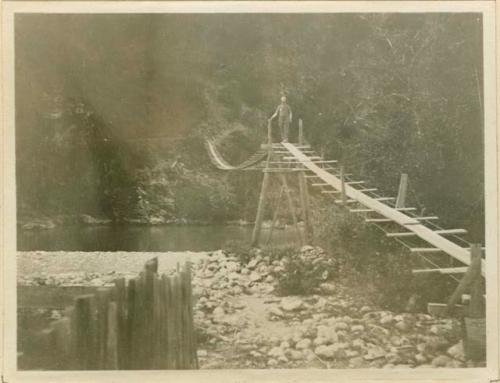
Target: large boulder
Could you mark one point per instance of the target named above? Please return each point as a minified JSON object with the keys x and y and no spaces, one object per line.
{"x":232,"y":266}
{"x":276,"y":312}
{"x":291,"y":304}
{"x":303,"y":344}
{"x":457,"y":351}
{"x":326,"y":352}
{"x":441,"y":361}
{"x":327,"y":333}
{"x":254,"y":262}
{"x":375,"y":353}
{"x":255,"y":277}
{"x":276,"y":352}
{"x":39,"y":224}
{"x":90,"y":220}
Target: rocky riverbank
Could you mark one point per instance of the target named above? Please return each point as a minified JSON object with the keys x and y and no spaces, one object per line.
{"x":47,"y":223}
{"x":97,"y":268}
{"x":243,"y":323}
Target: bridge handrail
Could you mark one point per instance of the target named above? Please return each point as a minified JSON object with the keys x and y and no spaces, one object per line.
{"x":222,"y":164}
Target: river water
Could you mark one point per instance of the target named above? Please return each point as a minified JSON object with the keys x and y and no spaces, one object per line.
{"x":143,"y":238}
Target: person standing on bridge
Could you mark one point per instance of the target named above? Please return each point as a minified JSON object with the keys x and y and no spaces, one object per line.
{"x":284,"y":114}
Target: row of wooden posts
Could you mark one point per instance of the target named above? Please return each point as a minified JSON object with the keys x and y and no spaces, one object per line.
{"x":146,"y":323}
{"x":474,"y":322}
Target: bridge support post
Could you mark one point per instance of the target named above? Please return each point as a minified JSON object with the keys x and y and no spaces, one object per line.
{"x":403,"y":187}
{"x":260,"y":210}
{"x":342,"y":179}
{"x":291,"y":207}
{"x":304,"y":201}
{"x":472,"y":277}
{"x":269,"y":133}
{"x":476,"y":305}
{"x":301,"y":133}
{"x":275,"y":215}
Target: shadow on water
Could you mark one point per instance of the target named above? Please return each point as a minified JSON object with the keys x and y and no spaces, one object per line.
{"x":142,"y":238}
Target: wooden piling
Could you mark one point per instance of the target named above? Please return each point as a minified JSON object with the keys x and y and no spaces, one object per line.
{"x":192,"y":355}
{"x":138,"y":330}
{"x":291,"y":207}
{"x":269,"y":133}
{"x":275,"y":215}
{"x":164,"y":299}
{"x":45,"y":340}
{"x":120,"y":295}
{"x":304,"y":201}
{"x":111,"y":342}
{"x":176,"y":298}
{"x":342,"y":180}
{"x":477,"y":307}
{"x":84,"y":333}
{"x":131,"y":338}
{"x":147,"y":325}
{"x":301,"y":132}
{"x":260,"y":210}
{"x":470,"y":276}
{"x":102,"y":326}
{"x":474,"y":323}
{"x":149,"y":337}
{"x":62,"y":343}
{"x":403,"y":187}
{"x":171,"y":325}
{"x":157,"y":324}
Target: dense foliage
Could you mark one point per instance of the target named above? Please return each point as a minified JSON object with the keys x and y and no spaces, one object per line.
{"x":112,"y":110}
{"x":367,"y":258}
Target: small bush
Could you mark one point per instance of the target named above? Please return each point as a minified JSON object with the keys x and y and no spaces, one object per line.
{"x":240,"y":249}
{"x":303,"y":271}
{"x":366,"y":256}
{"x":278,"y":253}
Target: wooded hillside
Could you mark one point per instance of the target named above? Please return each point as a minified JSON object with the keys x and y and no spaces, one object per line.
{"x":112,"y":110}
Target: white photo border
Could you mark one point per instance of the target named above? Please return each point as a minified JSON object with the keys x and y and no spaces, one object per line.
{"x":8,"y":299}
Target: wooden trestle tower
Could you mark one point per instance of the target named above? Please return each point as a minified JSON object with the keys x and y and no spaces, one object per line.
{"x":279,"y":163}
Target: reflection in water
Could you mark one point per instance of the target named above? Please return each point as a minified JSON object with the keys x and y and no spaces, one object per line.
{"x":142,"y":238}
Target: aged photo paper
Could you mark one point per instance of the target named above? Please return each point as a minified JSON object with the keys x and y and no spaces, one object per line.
{"x":246,"y":191}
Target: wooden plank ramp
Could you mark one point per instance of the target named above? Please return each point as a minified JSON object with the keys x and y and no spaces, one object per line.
{"x":396,"y":215}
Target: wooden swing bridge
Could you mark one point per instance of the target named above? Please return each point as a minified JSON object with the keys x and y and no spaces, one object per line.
{"x":444,"y":250}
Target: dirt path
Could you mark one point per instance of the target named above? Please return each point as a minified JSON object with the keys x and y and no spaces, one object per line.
{"x":244,"y":324}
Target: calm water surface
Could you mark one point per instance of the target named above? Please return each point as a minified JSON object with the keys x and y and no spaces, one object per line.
{"x":142,"y":238}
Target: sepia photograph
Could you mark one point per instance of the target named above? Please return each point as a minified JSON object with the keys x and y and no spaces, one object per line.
{"x":200,"y":188}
